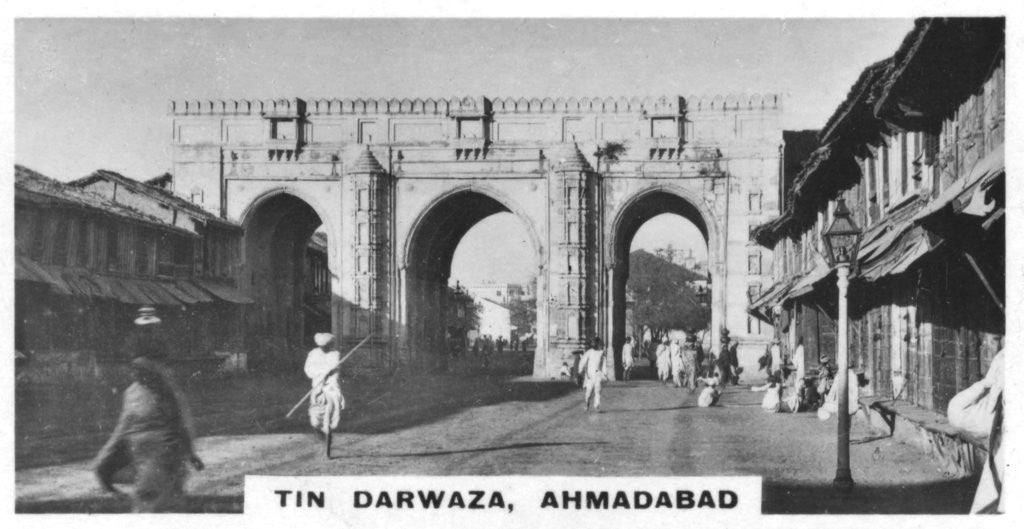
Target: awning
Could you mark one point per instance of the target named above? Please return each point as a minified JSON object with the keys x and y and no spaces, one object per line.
{"x":807,"y":282}
{"x":762,"y":306}
{"x":225,"y":292}
{"x":910,"y":248}
{"x":882,"y":236}
{"x":967,"y":194}
{"x":29,"y":270}
{"x":194,"y":291}
{"x":81,"y":282}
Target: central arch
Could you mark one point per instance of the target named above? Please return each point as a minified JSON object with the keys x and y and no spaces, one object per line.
{"x":634,"y":213}
{"x":428,"y":254}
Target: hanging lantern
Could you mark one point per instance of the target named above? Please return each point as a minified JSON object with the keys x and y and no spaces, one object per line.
{"x":842,"y":238}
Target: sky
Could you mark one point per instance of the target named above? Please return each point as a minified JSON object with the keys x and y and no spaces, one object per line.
{"x":93,"y":93}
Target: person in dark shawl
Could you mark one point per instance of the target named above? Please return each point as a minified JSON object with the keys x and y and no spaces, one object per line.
{"x":153,"y":434}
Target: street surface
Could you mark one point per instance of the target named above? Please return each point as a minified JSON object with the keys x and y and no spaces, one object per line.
{"x":477,"y":422}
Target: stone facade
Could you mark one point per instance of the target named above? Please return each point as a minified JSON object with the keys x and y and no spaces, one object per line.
{"x":397,"y":183}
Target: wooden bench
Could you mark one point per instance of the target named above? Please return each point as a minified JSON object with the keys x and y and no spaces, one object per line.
{"x":960,"y":452}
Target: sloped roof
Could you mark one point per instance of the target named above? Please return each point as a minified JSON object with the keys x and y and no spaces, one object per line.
{"x":157,"y":193}
{"x":28,"y":181}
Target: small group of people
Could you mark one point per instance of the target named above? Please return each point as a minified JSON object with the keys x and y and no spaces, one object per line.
{"x":683,"y":365}
{"x":789,"y":388}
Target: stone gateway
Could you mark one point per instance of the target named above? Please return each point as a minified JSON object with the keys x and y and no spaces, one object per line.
{"x":397,"y":183}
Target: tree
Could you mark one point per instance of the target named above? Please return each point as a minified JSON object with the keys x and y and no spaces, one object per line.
{"x":663,"y":297}
{"x":462,"y":312}
{"x":523,"y":313}
{"x":609,"y":151}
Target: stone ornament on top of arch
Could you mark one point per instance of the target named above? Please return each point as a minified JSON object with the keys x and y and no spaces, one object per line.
{"x":488,"y":191}
{"x":313,"y":201}
{"x":707,"y":217}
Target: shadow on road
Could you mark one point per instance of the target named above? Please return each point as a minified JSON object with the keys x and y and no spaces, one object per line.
{"x":425,"y":400}
{"x":945,"y":497}
{"x":513,"y":446}
{"x":121,"y":504}
{"x":634,"y":410}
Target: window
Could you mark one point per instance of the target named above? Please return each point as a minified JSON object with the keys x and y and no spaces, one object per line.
{"x":196,"y":195}
{"x":572,"y":234}
{"x":143,"y":255}
{"x":83,"y":244}
{"x":282,"y":129}
{"x":753,"y":291}
{"x":904,"y":165}
{"x":754,"y":202}
{"x":364,"y":199}
{"x":664,"y":128}
{"x":754,"y":263}
{"x":753,"y":325}
{"x":872,"y":182}
{"x":885,"y":175}
{"x":364,"y":233}
{"x":113,"y":249}
{"x":60,"y":242}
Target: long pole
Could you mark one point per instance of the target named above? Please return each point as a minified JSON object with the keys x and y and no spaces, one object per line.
{"x":336,"y":366}
{"x":843,"y":480}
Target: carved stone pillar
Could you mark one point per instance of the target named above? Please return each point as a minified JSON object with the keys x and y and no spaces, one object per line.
{"x":368,"y":200}
{"x":571,"y":263}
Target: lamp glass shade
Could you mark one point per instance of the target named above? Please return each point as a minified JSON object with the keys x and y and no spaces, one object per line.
{"x":842,"y":238}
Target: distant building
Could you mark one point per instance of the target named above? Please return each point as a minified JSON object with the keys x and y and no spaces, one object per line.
{"x":495,"y":319}
{"x":503,"y":293}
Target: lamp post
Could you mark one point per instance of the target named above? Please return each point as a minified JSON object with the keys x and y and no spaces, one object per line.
{"x":841,"y":241}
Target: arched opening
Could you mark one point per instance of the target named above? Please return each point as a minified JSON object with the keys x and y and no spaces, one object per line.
{"x":287,"y":271}
{"x":436,"y":300}
{"x":672,"y":244}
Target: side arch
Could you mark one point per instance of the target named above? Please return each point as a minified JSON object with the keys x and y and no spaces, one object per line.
{"x":705,"y":219}
{"x":627,"y":220}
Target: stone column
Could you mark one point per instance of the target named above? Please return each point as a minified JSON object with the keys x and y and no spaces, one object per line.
{"x":370,"y":243}
{"x":571,"y":289}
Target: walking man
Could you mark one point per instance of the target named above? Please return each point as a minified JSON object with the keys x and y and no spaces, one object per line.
{"x":326,"y":401}
{"x":676,"y":363}
{"x":153,"y":434}
{"x":663,"y":360}
{"x":690,"y":361}
{"x":592,"y":367}
{"x":627,"y":358}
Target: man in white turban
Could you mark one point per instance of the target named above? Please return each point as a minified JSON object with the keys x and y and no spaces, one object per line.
{"x":326,"y":400}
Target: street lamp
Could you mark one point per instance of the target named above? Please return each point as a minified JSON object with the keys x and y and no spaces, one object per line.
{"x":841,"y":241}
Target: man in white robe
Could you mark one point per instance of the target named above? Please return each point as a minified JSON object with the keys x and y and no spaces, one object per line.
{"x":326,"y":401}
{"x":592,"y":368}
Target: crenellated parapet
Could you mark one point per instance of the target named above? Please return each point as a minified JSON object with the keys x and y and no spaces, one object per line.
{"x":734,"y":102}
{"x":470,"y":106}
{"x":293,"y":107}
